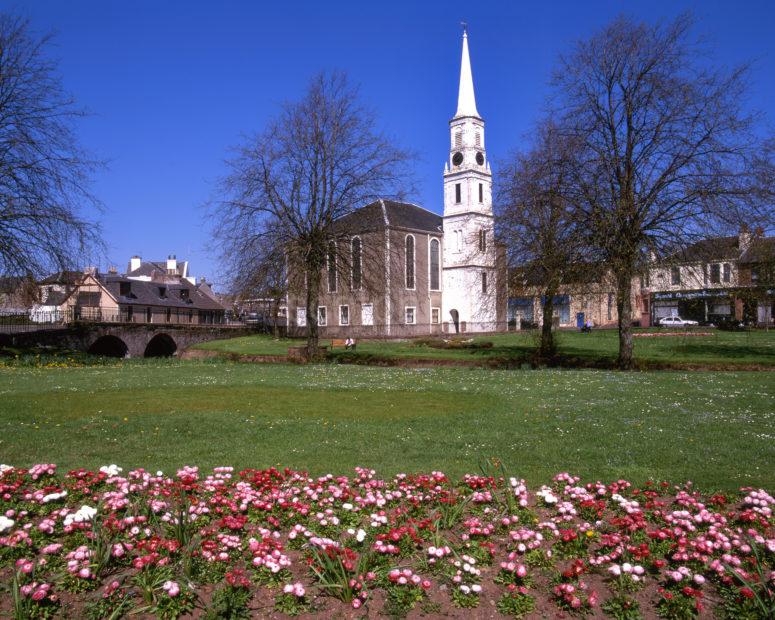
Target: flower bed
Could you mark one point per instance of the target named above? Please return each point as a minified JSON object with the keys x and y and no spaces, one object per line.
{"x":257,"y":542}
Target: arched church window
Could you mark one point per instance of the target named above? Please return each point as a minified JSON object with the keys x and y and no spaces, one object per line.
{"x":459,"y":138}
{"x":478,"y":139}
{"x":331,"y":264}
{"x":435,"y":255}
{"x":409,"y":255}
{"x":356,"y":263}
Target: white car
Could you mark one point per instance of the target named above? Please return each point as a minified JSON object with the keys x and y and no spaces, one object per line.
{"x":676,"y":321}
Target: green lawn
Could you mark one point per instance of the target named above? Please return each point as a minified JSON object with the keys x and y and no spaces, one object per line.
{"x":744,"y":348}
{"x":713,"y":428}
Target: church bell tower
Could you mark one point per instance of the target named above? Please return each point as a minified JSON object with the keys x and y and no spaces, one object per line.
{"x":469,"y":274}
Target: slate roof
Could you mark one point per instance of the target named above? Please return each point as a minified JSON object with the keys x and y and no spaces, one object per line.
{"x":63,"y":277}
{"x":376,"y":215}
{"x":149,"y":293}
{"x":726,"y":248}
{"x":715,"y":248}
{"x":761,"y":250}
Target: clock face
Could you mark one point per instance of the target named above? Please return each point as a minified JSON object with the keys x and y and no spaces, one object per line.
{"x":457,"y":158}
{"x":480,"y":159}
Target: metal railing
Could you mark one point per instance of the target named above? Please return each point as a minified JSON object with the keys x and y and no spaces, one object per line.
{"x":37,"y":319}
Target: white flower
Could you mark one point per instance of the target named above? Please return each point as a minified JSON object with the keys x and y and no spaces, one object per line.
{"x":111,"y":470}
{"x":51,"y":497}
{"x":83,"y":514}
{"x":5,"y":523}
{"x":361,"y":535}
{"x":5,"y":468}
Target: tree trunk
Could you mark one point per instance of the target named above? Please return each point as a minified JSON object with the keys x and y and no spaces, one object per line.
{"x":546,"y":348}
{"x":313,"y":295}
{"x":625,"y":361}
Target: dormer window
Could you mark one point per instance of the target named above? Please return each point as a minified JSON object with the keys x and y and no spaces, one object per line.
{"x":124,"y":288}
{"x":163,"y":292}
{"x":184,"y":294}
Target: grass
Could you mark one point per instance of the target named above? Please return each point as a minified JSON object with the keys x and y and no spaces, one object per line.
{"x":713,"y":428}
{"x":728,"y":348}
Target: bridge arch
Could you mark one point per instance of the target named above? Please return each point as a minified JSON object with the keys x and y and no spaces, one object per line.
{"x":109,"y":346}
{"x":161,"y":345}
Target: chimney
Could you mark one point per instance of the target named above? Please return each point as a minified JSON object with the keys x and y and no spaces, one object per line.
{"x":112,"y":269}
{"x":134,"y":263}
{"x":90,"y":271}
{"x":744,"y":239}
{"x":172,"y":265}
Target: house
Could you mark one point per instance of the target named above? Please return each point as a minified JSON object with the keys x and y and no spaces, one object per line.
{"x":150,"y":292}
{"x":714,"y":280}
{"x":587,"y":295}
{"x":17,"y":294}
{"x":410,"y":271}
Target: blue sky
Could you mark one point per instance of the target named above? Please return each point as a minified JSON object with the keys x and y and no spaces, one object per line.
{"x":173,"y":85}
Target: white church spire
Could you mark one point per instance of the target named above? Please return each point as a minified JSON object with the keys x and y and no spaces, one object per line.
{"x":466,"y":101}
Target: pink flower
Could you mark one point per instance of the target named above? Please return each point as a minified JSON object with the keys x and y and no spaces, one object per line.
{"x":171,"y":588}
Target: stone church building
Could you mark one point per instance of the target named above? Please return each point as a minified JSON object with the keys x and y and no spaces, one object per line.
{"x":410,"y":271}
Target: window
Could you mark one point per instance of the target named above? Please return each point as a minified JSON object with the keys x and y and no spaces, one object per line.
{"x":435,"y":316}
{"x":125,"y":288}
{"x":301,"y":316}
{"x":409,"y":315}
{"x":457,"y":193}
{"x":484,"y":282}
{"x":715,"y":273}
{"x":754,"y":274}
{"x":459,"y":240}
{"x":331,"y":260}
{"x":482,"y":240}
{"x":130,"y":314}
{"x":190,"y":316}
{"x":727,"y":272}
{"x":169,"y":315}
{"x":89,"y":298}
{"x":675,"y":275}
{"x":344,"y":315}
{"x":322,"y":316}
{"x":163,"y":292}
{"x":367,"y":314}
{"x":478,"y":139}
{"x":184,"y":294}
{"x":459,"y":138}
{"x":356,"y":263}
{"x":481,"y":193}
{"x":610,"y":313}
{"x":148,"y":315}
{"x":409,"y":259}
{"x":434,"y":262}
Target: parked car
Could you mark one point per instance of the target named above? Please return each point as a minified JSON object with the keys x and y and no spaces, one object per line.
{"x":676,"y":321}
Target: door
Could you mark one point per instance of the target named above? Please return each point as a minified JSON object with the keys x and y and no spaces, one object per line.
{"x":367,"y":314}
{"x":579,"y":320}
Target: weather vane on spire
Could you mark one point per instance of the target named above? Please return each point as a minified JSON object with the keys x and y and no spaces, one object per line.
{"x":465,"y":27}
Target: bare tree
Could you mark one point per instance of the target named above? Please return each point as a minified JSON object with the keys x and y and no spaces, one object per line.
{"x":669,"y":149}
{"x":44,"y":174}
{"x":538,"y":220}
{"x":319,"y":160}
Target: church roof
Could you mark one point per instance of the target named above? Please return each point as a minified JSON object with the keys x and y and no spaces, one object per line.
{"x":466,"y":101}
{"x":390,"y":213}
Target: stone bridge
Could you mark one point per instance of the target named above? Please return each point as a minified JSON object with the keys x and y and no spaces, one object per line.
{"x":125,"y":339}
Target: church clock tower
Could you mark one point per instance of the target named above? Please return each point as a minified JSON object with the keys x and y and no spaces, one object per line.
{"x":469,"y":274}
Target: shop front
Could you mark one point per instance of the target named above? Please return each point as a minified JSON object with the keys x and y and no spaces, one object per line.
{"x":704,"y":306}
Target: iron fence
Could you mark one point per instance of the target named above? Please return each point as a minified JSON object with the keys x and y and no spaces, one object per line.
{"x":37,"y":319}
